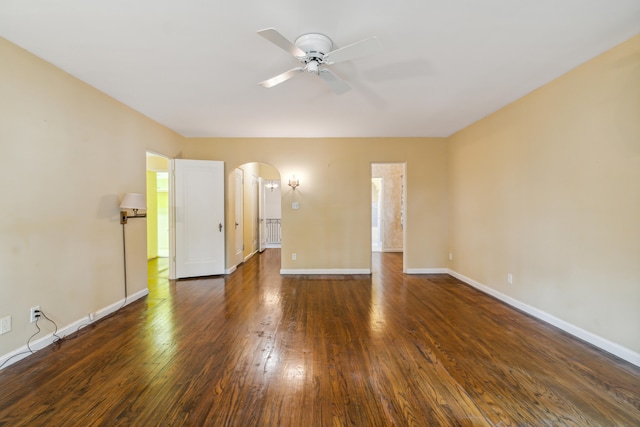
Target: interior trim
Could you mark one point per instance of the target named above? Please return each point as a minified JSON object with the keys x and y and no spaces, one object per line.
{"x":23,"y":352}
{"x":327,"y":271}
{"x":428,"y":271}
{"x":602,"y":343}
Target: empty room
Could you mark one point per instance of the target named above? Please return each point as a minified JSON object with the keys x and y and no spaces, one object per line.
{"x":320,"y":214}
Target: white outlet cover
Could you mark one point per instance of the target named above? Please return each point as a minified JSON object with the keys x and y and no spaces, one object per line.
{"x":295,"y":205}
{"x":32,"y":316}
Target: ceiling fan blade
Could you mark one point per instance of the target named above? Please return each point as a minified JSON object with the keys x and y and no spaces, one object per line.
{"x":281,"y":41}
{"x":281,"y":77}
{"x":355,"y":50}
{"x":337,"y":85}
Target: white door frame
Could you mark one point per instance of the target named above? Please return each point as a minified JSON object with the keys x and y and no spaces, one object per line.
{"x":262,"y":226}
{"x":255,"y":210}
{"x":238,"y":179}
{"x":172,"y":223}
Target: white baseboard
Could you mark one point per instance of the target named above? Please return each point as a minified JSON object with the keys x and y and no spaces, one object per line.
{"x":248,"y":257}
{"x":273,"y":245}
{"x":602,"y":343}
{"x":327,"y":271}
{"x":231,"y":269}
{"x":427,"y":271}
{"x":39,"y":344}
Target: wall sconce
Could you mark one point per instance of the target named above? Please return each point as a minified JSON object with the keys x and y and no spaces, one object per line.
{"x":271,"y":185}
{"x":294,"y":182}
{"x":133,"y":201}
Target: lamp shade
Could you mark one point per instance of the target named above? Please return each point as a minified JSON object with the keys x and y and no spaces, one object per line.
{"x":134,"y":201}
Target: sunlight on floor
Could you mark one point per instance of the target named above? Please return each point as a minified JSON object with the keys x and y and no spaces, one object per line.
{"x":158,"y":274}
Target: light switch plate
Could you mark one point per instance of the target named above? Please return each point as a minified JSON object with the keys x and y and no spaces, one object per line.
{"x":295,"y":205}
{"x":5,"y":325}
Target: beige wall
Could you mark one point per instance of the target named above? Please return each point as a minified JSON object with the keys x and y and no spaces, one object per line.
{"x":69,"y":153}
{"x":332,"y":228}
{"x":548,"y":189}
{"x":268,"y":172}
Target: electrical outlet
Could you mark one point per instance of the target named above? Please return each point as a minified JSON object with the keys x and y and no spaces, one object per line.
{"x":5,"y":325}
{"x":450,"y":256}
{"x":92,"y":316}
{"x":34,"y":314}
{"x":510,"y":278}
{"x":294,"y":256}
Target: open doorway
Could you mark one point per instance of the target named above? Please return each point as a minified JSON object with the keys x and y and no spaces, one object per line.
{"x":387,"y":207}
{"x":255,"y":189}
{"x":272,"y":229}
{"x":157,"y":217}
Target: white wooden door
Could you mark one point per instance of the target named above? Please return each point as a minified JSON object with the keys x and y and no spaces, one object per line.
{"x":239,"y":194}
{"x":255,"y":233}
{"x":199,"y":217}
{"x":262,"y":224}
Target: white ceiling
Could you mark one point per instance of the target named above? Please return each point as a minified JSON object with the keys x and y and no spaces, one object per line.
{"x":194,"y":65}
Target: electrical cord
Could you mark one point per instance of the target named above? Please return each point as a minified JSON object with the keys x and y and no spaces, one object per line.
{"x":59,"y":338}
{"x":30,"y":350}
{"x":55,"y":333}
{"x":15,"y":355}
{"x":126,"y":291}
{"x":82,"y":325}
{"x":22,"y":352}
{"x":29,"y":340}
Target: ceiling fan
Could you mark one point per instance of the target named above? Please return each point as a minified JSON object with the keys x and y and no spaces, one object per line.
{"x":313,"y":51}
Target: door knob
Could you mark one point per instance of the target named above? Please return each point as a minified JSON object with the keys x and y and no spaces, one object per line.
{"x":220,"y":227}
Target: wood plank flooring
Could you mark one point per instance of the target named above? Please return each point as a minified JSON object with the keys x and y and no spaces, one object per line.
{"x":259,"y":349}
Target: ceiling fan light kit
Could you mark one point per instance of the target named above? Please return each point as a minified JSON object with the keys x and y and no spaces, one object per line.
{"x":313,"y":50}
{"x":313,"y":67}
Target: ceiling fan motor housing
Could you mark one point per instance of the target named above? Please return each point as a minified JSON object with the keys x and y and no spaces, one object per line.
{"x":314,"y":51}
{"x":315,"y":45}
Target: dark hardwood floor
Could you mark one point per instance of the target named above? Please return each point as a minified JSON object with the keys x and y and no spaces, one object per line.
{"x":259,"y":349}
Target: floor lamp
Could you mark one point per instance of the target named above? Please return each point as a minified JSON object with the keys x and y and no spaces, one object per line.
{"x":134,"y":201}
